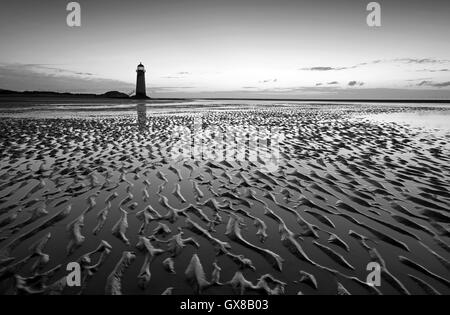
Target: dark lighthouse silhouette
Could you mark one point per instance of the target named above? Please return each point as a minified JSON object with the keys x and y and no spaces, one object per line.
{"x":141,"y":91}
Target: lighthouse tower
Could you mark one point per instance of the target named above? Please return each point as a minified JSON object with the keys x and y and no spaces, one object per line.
{"x":140,"y":82}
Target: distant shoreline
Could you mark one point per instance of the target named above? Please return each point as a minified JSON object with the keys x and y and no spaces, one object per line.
{"x":94,"y":99}
{"x":29,"y":96}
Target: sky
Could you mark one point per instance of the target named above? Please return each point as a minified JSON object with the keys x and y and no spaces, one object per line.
{"x":241,"y":49}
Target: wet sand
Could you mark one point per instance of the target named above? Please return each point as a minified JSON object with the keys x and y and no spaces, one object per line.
{"x":305,"y":213}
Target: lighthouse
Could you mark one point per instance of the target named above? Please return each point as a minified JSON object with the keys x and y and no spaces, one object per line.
{"x":140,"y":82}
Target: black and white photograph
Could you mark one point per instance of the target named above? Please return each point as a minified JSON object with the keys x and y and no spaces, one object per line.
{"x":212,"y":149}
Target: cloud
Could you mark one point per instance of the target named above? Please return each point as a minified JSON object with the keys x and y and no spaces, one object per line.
{"x":434,"y":84}
{"x":424,"y":83}
{"x":319,"y":69}
{"x":329,"y":83}
{"x":45,"y":68}
{"x":442,"y":84}
{"x":422,"y":60}
{"x":430,"y":61}
{"x":419,"y":79}
{"x":355,"y":83}
{"x":268,"y":81}
{"x":327,"y":68}
{"x":178,"y":75}
{"x":38,"y":77}
{"x":323,"y":69}
{"x":434,"y":70}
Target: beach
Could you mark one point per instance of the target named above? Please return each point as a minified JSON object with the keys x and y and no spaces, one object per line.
{"x":225,"y":197}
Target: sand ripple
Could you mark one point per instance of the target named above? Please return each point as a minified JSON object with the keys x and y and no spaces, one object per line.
{"x":342,"y":192}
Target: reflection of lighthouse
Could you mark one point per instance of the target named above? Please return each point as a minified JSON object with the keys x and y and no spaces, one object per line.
{"x":140,"y":82}
{"x":141,"y":116}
